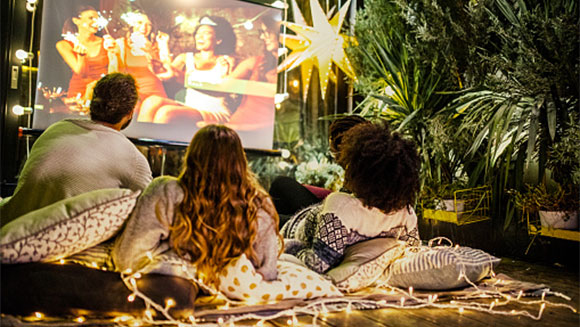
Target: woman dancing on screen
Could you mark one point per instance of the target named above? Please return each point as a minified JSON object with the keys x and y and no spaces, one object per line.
{"x":212,"y":213}
{"x":87,"y":54}
{"x":215,"y":43}
{"x":145,"y":55}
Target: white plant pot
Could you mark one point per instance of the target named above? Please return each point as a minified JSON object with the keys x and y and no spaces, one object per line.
{"x":555,"y":219}
{"x":449,"y":205}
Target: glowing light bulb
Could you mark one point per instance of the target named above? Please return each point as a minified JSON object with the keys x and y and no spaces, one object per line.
{"x":21,"y":54}
{"x":39,"y":315}
{"x":279,"y":4}
{"x":19,"y":110}
{"x":122,"y":319}
{"x":169,"y":303}
{"x":461,"y":310}
{"x":80,"y":319}
{"x":248,"y":25}
{"x":131,"y":298}
{"x":280,"y":97}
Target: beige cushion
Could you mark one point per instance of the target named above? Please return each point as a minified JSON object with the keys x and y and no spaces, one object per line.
{"x":441,"y":268}
{"x":66,"y":227}
{"x":364,"y":262}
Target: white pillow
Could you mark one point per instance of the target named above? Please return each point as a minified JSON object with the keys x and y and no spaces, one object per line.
{"x":240,"y":281}
{"x":66,"y":227}
{"x":441,"y":268}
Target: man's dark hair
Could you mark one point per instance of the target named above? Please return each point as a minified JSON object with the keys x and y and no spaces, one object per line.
{"x":381,"y":167}
{"x":114,"y":97}
{"x":338,"y":127}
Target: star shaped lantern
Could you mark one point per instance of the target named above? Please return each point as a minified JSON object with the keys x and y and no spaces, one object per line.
{"x":318,"y":45}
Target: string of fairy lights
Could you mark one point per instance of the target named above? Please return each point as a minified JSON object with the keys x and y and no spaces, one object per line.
{"x":159,"y":314}
{"x":491,"y":300}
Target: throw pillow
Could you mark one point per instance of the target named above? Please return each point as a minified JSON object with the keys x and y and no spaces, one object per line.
{"x":240,"y":281}
{"x":364,"y":262}
{"x":441,"y":268}
{"x":66,"y":227}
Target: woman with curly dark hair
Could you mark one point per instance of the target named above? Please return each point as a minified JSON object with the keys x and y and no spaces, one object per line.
{"x":289,"y":195}
{"x":214,"y":212}
{"x":382,"y":172}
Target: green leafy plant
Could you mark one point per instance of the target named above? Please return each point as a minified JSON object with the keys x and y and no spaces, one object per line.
{"x":540,"y":197}
{"x":320,"y":173}
{"x":524,"y":89}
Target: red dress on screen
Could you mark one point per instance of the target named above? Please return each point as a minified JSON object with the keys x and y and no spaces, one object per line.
{"x":139,"y":67}
{"x":254,"y":112}
{"x":95,"y":68}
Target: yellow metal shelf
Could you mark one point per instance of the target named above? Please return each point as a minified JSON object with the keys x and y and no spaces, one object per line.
{"x":565,"y":234}
{"x":469,"y":206}
{"x":460,"y":218}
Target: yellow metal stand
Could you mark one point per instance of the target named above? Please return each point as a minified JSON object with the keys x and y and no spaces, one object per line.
{"x":535,"y":228}
{"x":469,"y":206}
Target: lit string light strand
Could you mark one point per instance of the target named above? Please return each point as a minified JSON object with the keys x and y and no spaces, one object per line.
{"x":399,"y":299}
{"x":395,"y":298}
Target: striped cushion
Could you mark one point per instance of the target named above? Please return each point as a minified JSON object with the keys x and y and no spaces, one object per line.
{"x":441,"y":268}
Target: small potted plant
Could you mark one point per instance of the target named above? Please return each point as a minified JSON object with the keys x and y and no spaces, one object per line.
{"x":455,"y":203}
{"x":557,"y":207}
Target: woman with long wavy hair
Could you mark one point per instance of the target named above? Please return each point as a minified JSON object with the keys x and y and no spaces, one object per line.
{"x":214,"y":212}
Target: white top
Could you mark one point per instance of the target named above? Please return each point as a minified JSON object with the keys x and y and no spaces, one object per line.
{"x":210,"y":107}
{"x":365,"y":220}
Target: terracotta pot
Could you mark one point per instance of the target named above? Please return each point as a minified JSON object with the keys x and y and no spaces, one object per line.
{"x":555,"y":219}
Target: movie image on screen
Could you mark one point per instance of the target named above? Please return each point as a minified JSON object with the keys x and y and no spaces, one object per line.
{"x":196,"y":62}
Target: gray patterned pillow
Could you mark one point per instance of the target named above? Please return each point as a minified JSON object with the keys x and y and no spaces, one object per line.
{"x":440,"y":268}
{"x":364,"y":262}
{"x":66,"y":227}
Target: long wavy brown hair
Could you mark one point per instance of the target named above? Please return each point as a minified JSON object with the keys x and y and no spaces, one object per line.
{"x":218,"y":218}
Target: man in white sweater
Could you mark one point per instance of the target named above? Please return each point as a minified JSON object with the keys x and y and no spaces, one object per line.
{"x":75,"y":156}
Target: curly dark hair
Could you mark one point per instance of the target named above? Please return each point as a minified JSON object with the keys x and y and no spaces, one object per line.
{"x":339,"y":126}
{"x":114,"y":97}
{"x":381,"y":167}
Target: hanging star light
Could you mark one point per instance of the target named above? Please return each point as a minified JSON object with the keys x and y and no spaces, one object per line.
{"x":318,"y":45}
